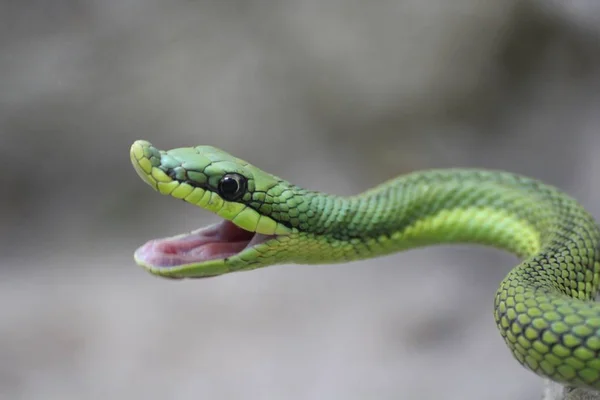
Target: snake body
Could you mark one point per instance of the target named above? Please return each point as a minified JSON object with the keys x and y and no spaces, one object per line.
{"x":544,"y":308}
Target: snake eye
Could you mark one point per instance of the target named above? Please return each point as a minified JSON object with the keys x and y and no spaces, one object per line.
{"x":232,"y":186}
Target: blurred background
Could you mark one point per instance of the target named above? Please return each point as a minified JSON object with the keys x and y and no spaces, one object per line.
{"x":333,"y":95}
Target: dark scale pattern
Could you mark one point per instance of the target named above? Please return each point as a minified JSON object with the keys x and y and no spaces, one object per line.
{"x":289,"y":206}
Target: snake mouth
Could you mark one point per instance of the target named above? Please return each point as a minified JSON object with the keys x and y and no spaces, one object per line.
{"x":239,"y":241}
{"x":215,"y":242}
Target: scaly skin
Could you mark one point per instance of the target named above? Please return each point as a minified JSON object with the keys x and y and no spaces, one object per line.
{"x":544,"y":307}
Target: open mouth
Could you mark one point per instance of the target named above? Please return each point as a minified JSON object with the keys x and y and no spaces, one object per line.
{"x":215,"y":242}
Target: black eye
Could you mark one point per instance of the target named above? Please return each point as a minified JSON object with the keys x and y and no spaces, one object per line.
{"x":232,"y":186}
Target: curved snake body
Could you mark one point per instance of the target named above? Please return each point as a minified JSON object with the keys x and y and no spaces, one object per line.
{"x":544,"y":307}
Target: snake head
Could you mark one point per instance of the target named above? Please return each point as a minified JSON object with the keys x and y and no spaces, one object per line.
{"x":259,"y":222}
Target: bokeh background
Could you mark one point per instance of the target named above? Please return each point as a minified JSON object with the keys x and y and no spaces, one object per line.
{"x":332,"y":95}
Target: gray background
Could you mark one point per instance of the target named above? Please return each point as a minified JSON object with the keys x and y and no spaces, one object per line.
{"x":332,"y":95}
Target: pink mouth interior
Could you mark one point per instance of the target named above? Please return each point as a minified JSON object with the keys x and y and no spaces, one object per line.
{"x":218,"y":241}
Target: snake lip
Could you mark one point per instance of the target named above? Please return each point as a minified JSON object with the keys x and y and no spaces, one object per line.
{"x":218,"y":241}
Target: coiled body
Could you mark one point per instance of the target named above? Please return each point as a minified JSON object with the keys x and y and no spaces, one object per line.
{"x":544,"y":308}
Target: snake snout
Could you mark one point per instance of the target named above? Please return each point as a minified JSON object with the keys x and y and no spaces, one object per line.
{"x":145,"y":158}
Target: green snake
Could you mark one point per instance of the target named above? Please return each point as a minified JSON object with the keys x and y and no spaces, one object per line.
{"x":544,"y":308}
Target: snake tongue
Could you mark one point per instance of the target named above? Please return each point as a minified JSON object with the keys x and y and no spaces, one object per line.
{"x":218,"y":241}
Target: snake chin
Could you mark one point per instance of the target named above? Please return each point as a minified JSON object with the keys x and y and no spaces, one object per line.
{"x":219,"y":241}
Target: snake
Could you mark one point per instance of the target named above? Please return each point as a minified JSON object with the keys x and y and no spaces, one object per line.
{"x":544,"y":308}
